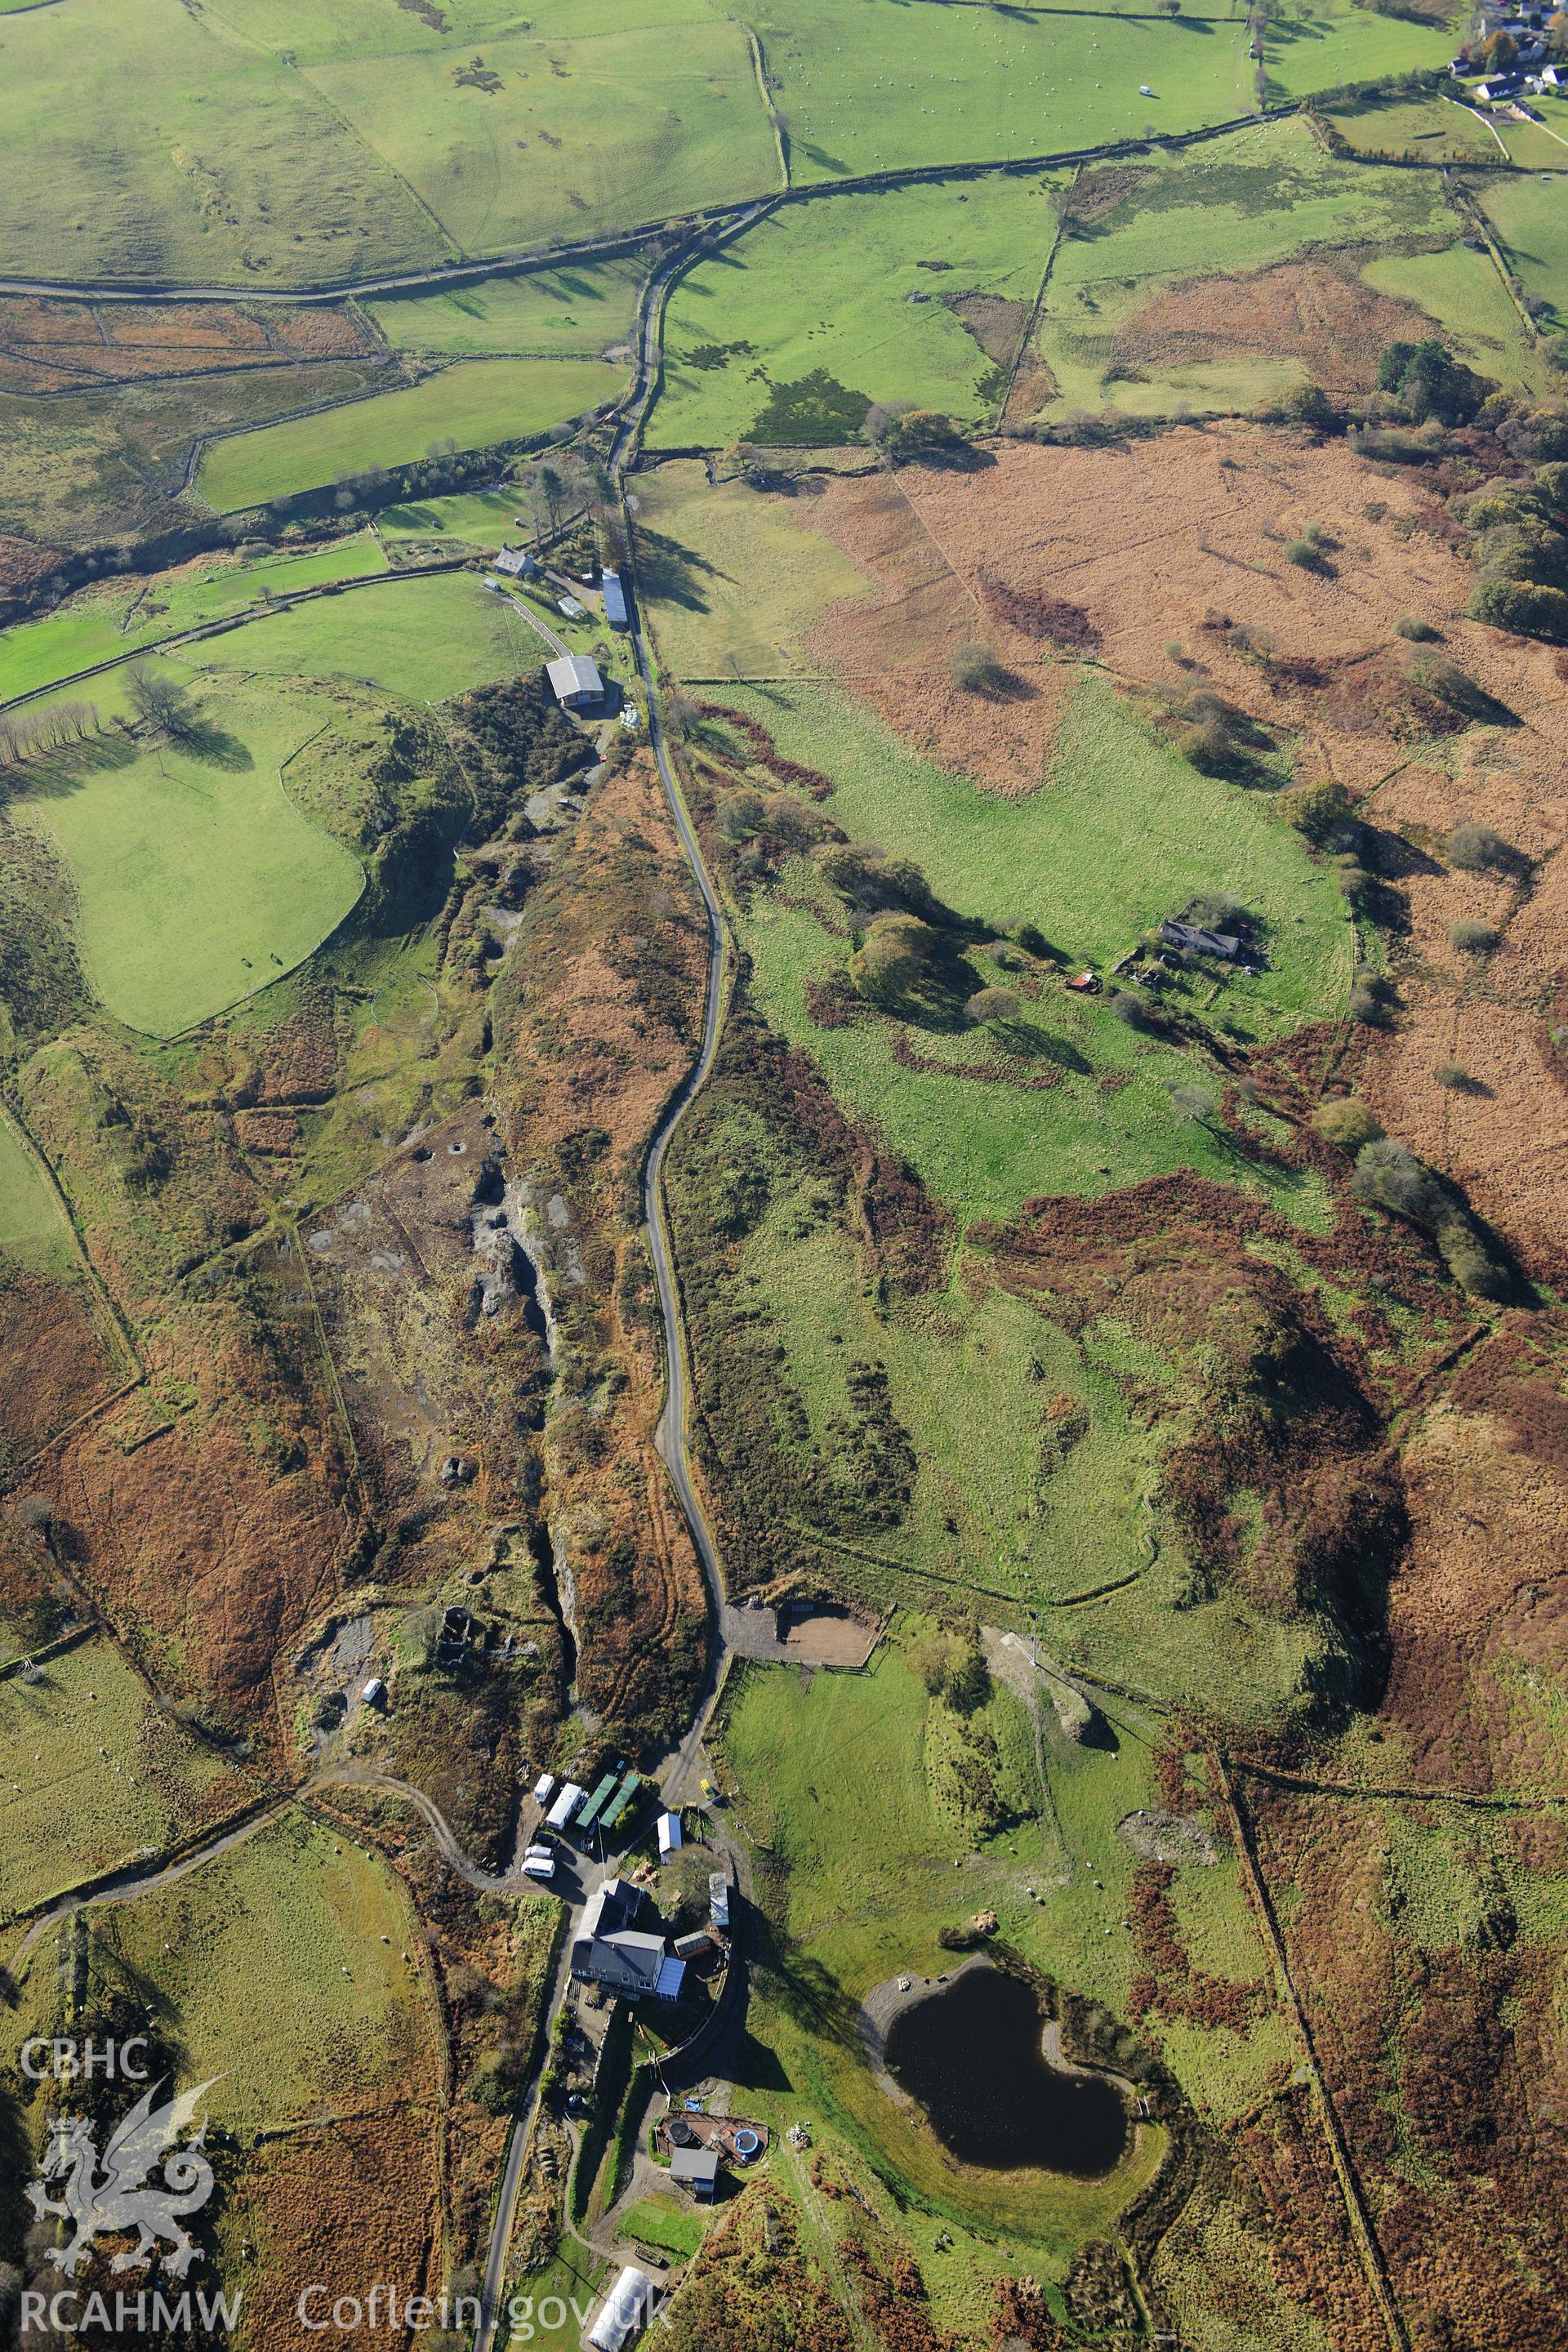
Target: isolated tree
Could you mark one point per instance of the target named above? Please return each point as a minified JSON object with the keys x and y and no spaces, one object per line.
{"x":1309,"y":403}
{"x":881,"y":420}
{"x":993,"y":1005}
{"x":1427,"y":380}
{"x":900,"y":962}
{"x":1194,"y":1102}
{"x":1322,"y":809}
{"x":1523,"y":607}
{"x":162,"y":702}
{"x":975,"y":668}
{"x":743,"y":462}
{"x":552,"y":486}
{"x":1388,"y":1174}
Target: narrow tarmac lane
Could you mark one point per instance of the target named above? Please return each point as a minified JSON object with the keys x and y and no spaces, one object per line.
{"x":670,"y":1438}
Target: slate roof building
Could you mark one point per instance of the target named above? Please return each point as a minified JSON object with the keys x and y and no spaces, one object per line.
{"x":696,"y":2168}
{"x":609,"y":1949}
{"x":1209,"y":943}
{"x":574,"y":681}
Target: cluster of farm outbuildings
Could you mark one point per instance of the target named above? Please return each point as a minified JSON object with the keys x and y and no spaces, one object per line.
{"x":574,"y":680}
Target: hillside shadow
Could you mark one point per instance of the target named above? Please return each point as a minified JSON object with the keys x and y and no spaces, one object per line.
{"x":668,"y":573}
{"x":214,"y":747}
{"x":809,"y":1994}
{"x":1000,"y":684}
{"x":55,"y":775}
{"x":1030,"y":1042}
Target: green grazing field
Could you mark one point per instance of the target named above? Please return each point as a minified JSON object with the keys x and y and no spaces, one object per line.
{"x":572,"y":312}
{"x":602,"y":126}
{"x":32,"y":1225}
{"x":1432,"y":129}
{"x":866,"y":290}
{"x":1319,"y":44}
{"x":425,"y":638}
{"x":351,"y":29}
{"x":160,"y":143}
{"x":474,"y":518}
{"x":302,"y":1911}
{"x":873,"y":88}
{"x":1527,"y":216}
{"x":1462,"y":291}
{"x":1539,"y":146}
{"x":1123,"y":830}
{"x":81,"y":470}
{"x":105,"y":622}
{"x":475,"y":402}
{"x":733,"y":581}
{"x":965,"y":1381}
{"x":1237,"y":205}
{"x":197,"y":879}
{"x":69,"y":1813}
{"x":838,"y":1776}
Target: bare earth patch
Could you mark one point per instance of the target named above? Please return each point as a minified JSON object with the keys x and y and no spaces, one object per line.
{"x":897,"y":652}
{"x":1299,"y":310}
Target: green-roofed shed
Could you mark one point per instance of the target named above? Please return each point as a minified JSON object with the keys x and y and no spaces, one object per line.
{"x":597,"y":1801}
{"x":625,"y":1796}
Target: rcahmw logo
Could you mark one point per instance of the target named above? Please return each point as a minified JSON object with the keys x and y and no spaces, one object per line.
{"x":115,"y":2196}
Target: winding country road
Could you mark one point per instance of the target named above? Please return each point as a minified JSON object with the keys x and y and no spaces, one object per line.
{"x":670,"y":1437}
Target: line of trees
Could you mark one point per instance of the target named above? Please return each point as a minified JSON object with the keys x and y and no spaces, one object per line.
{"x":24,"y":732}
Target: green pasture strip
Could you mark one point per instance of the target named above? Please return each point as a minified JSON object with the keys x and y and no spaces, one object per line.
{"x":660,"y":2221}
{"x":302,"y":1909}
{"x":1527,"y":217}
{"x":1432,"y":130}
{"x":473,"y":403}
{"x":33,"y":1228}
{"x":1461,"y":289}
{"x":68,"y":1813}
{"x":1121,"y":831}
{"x":873,"y":88}
{"x":1326,"y":44}
{"x":574,"y":311}
{"x":425,"y":638}
{"x":102,"y":623}
{"x":733,"y":582}
{"x":483,"y":518}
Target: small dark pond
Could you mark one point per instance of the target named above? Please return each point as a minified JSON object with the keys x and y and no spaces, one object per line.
{"x":970,"y":2056}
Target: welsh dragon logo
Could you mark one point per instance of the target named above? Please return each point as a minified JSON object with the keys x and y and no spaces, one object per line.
{"x":101,"y":2204}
